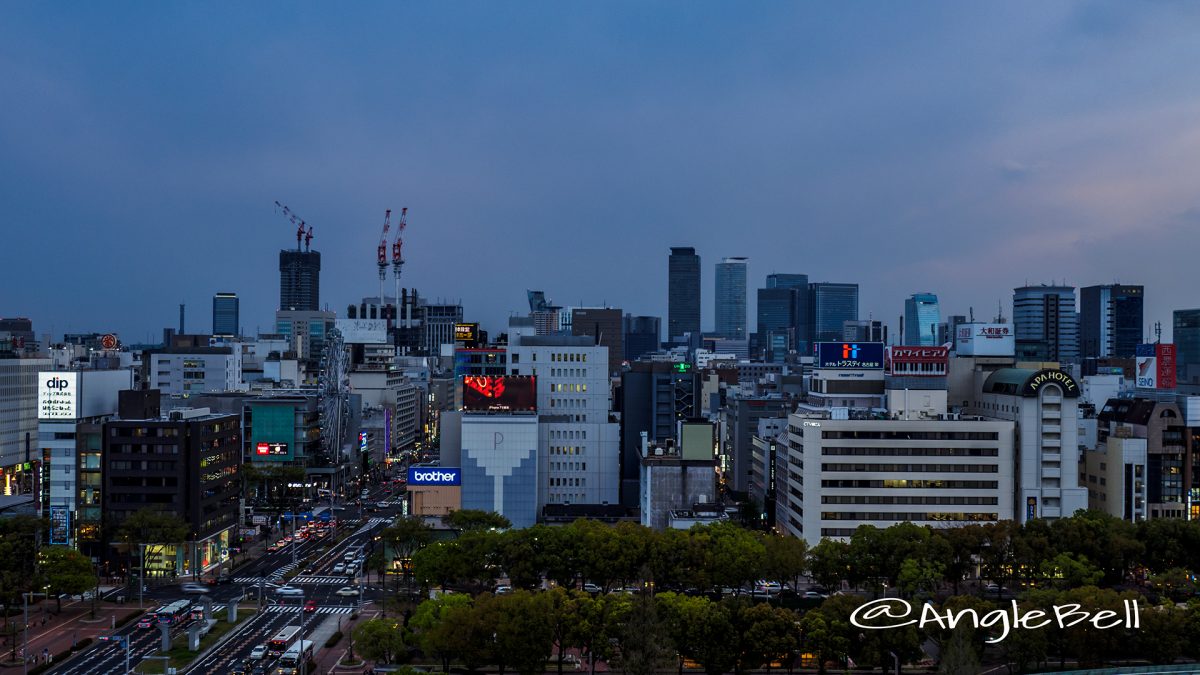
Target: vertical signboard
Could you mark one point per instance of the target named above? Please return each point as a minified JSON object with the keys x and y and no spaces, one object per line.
{"x":58,"y":396}
{"x":1165,"y":354}
{"x":60,"y":525}
{"x":1145,"y":372}
{"x":1030,"y":508}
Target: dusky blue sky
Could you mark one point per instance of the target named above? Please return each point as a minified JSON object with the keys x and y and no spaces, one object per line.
{"x":958,"y":148}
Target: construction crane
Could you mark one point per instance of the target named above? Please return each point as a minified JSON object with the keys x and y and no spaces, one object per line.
{"x":397,"y":259}
{"x":297,"y":221}
{"x":308,"y":239}
{"x":381,"y":254}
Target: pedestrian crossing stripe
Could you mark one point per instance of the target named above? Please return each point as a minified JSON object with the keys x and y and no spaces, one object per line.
{"x":320,"y":580}
{"x":320,"y":610}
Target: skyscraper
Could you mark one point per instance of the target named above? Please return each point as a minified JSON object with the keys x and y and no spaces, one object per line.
{"x":921,"y":319}
{"x":683,"y":292}
{"x":1110,"y":321}
{"x":300,"y":281}
{"x":830,"y":306}
{"x":1046,"y":323}
{"x":1187,"y":340}
{"x":730,"y":298}
{"x":606,"y":327}
{"x":641,"y":335}
{"x":783,"y":321}
{"x":225,"y":315}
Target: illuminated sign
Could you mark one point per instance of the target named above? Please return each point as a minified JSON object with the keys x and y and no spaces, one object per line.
{"x":58,"y":396}
{"x":1030,"y":508}
{"x":985,"y":339}
{"x":917,"y":361}
{"x":850,"y":355}
{"x":60,"y":525}
{"x":681,"y":367}
{"x":1146,"y":367}
{"x":1165,"y":353}
{"x":109,"y":341}
{"x":271,"y":449}
{"x":467,"y":333}
{"x":1043,"y":377}
{"x":362,"y":442}
{"x":500,"y":393}
{"x":438,"y":475}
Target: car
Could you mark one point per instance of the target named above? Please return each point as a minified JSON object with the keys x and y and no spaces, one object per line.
{"x":813,"y":595}
{"x":350,"y":555}
{"x":591,"y":588}
{"x":339,"y":568}
{"x":572,"y":662}
{"x":272,"y":548}
{"x":194,"y":589}
{"x":146,"y":621}
{"x":995,"y":588}
{"x":310,"y":606}
{"x":259,"y":652}
{"x":768,"y":587}
{"x":289,"y":590}
{"x":383,"y":505}
{"x":347,"y":592}
{"x":503,"y":590}
{"x":259,"y":670}
{"x":242,"y":668}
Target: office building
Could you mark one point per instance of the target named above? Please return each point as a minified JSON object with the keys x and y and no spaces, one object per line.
{"x":1110,"y":322}
{"x":655,"y":395}
{"x":606,"y":327}
{"x":225,"y":321}
{"x":683,"y":292}
{"x":437,"y":326}
{"x":1046,"y":324}
{"x":642,"y":336}
{"x":921,"y":320}
{"x":19,"y":422}
{"x":783,"y":317}
{"x":830,"y":305}
{"x":673,"y":481}
{"x":864,"y":330}
{"x":500,"y":465}
{"x":841,"y":474}
{"x":193,"y":370}
{"x":741,"y":419}
{"x":730,"y":298}
{"x":306,"y":332}
{"x":1164,"y":473}
{"x":187,"y":464}
{"x":299,"y":281}
{"x":1186,"y":336}
{"x":949,"y":328}
{"x":18,"y":333}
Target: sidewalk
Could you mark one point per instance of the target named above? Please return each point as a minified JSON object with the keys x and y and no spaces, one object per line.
{"x":61,"y":631}
{"x":327,"y":659}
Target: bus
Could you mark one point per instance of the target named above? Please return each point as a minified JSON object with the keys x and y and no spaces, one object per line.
{"x":175,"y":613}
{"x":296,"y":655}
{"x":282,"y":640}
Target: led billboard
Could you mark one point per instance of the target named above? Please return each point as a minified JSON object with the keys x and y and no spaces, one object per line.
{"x":271,"y":449}
{"x":434,"y":475}
{"x":850,"y":355}
{"x":58,"y":396}
{"x":466,"y":333}
{"x":500,"y":393}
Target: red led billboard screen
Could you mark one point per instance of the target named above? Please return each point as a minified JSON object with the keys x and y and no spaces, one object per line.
{"x":500,"y":393}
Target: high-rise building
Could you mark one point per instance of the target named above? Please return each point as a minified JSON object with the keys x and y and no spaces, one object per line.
{"x":783,"y":321}
{"x":225,"y":315}
{"x":683,"y":292}
{"x":1046,"y":323}
{"x":300,"y":281}
{"x":19,"y":421}
{"x":830,"y":305}
{"x":606,"y":327}
{"x":655,"y":395}
{"x":1110,"y":321}
{"x":730,"y":298}
{"x":921,"y":319}
{"x":1187,"y":341}
{"x":642,"y":335}
{"x":437,"y":325}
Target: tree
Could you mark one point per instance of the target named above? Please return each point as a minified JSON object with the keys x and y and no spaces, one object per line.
{"x":701,"y":630}
{"x":66,"y":570}
{"x":734,"y":556}
{"x":149,"y":528}
{"x":471,"y":520}
{"x":919,"y":576}
{"x":1175,"y":583}
{"x":1069,"y":571}
{"x":380,"y":640}
{"x":645,"y":645}
{"x":436,"y":635}
{"x":958,"y":658}
{"x":825,"y":636}
{"x":829,"y":562}
{"x":766,"y":633}
{"x":401,"y":539}
{"x":786,"y":559}
{"x":524,"y":635}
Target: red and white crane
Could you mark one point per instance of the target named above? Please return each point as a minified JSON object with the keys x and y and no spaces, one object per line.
{"x":381,"y":254}
{"x":398,"y":258}
{"x":299,"y":223}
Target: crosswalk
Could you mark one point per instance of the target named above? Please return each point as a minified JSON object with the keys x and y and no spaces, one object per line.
{"x":340,"y":609}
{"x":335,"y":580}
{"x":278,"y":574}
{"x":371,"y":523}
{"x":255,"y":581}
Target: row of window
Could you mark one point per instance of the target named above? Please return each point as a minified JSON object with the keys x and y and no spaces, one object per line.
{"x":913,"y":452}
{"x":908,"y":435}
{"x":143,"y":465}
{"x":568,"y":466}
{"x":919,"y":484}
{"x":900,"y":516}
{"x":568,"y":482}
{"x":566,"y":450}
{"x":561,"y":387}
{"x":913,"y":468}
{"x":556,"y":434}
{"x":927,"y":501}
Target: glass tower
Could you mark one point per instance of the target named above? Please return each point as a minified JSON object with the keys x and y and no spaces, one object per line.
{"x":731,"y":298}
{"x":1046,"y":323}
{"x":831,"y":306}
{"x":683,"y":292}
{"x":921,"y":319}
{"x":225,"y":315}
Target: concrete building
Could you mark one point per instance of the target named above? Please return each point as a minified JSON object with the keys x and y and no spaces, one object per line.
{"x":606,"y":328}
{"x":500,"y":466}
{"x":1044,"y":406}
{"x":921,"y":319}
{"x":1168,"y":460}
{"x":741,"y":419}
{"x":1187,"y":344}
{"x":767,"y":444}
{"x":672,"y":482}
{"x":1110,"y":322}
{"x":683,"y":292}
{"x":226,"y":321}
{"x":655,"y":395}
{"x":193,"y":370}
{"x":299,"y":281}
{"x":841,"y":474}
{"x":305,"y":332}
{"x":642,"y":336}
{"x":1046,"y":324}
{"x":19,"y":422}
{"x":437,"y":325}
{"x":1115,"y":477}
{"x":187,"y":464}
{"x":730,"y":298}
{"x":864,"y":330}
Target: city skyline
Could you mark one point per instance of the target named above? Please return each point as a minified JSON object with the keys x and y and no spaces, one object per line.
{"x":148,"y":173}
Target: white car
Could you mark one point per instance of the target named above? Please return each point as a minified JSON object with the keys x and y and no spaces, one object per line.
{"x":339,"y":568}
{"x":194,"y":589}
{"x":349,"y":556}
{"x":258,"y":653}
{"x":289,"y":590}
{"x":768,"y":587}
{"x":813,"y":595}
{"x":347,"y":592}
{"x":591,"y":588}
{"x":503,"y":590}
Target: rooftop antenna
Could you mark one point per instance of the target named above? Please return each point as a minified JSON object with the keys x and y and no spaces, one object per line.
{"x":971,"y":312}
{"x":1157,"y":332}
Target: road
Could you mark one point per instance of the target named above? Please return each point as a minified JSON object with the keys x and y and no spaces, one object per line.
{"x":317,"y":580}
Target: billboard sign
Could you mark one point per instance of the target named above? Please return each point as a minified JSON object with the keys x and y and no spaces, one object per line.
{"x":362,"y":331}
{"x":850,"y":355}
{"x":467,"y":333}
{"x":985,"y":339}
{"x":500,"y":393}
{"x":434,"y":475}
{"x":1165,"y":354}
{"x":58,"y":396}
{"x":269,"y":449}
{"x":60,"y":525}
{"x":918,"y":361}
{"x":1145,"y":371}
{"x":1030,"y":508}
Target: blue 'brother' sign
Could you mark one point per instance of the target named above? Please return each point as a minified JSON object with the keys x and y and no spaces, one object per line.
{"x":434,"y":475}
